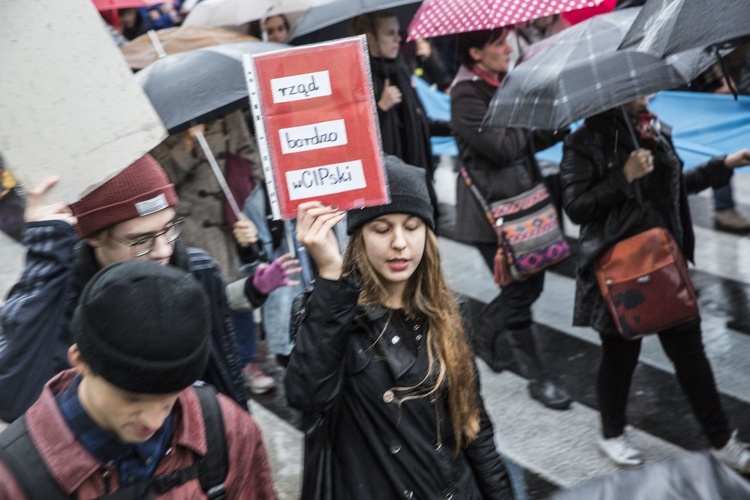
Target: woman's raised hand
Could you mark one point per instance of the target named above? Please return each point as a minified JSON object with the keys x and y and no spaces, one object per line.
{"x":315,"y":223}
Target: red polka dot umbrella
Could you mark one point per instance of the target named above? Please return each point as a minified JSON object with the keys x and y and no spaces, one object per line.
{"x":444,"y":17}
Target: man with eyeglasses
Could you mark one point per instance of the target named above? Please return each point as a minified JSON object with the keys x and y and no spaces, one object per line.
{"x":129,"y":217}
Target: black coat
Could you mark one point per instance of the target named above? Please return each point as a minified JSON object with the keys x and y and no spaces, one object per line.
{"x":597,"y":196}
{"x":340,"y":375}
{"x":500,"y":160}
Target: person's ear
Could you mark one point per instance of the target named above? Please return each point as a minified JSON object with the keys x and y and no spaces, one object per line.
{"x":475,"y":53}
{"x":76,"y":360}
{"x":97,"y":240}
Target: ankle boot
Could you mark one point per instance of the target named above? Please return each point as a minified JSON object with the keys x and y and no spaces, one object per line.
{"x":525,"y":353}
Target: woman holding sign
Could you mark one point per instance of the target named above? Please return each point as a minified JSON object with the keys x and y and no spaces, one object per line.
{"x":405,"y":129}
{"x":381,"y":367}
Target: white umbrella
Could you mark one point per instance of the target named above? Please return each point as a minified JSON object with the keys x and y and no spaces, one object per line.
{"x":232,"y":13}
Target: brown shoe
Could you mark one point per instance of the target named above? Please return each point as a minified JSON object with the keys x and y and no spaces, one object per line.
{"x":731,"y":220}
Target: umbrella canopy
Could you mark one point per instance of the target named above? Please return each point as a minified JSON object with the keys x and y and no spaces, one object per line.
{"x":444,"y":17}
{"x":667,"y":27}
{"x":237,"y":12}
{"x":142,"y":51}
{"x":579,"y":73}
{"x":335,"y":11}
{"x":200,"y":85}
{"x":124,"y":4}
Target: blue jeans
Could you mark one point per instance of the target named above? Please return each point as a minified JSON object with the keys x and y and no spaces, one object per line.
{"x":723,"y":198}
{"x":244,"y":332}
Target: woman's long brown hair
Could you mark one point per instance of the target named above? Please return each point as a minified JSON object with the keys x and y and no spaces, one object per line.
{"x":428,"y":294}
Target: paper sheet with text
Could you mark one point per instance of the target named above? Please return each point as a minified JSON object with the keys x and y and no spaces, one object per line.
{"x":316,"y":125}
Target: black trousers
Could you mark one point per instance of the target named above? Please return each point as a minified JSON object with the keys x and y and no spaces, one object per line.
{"x":684,"y":347}
{"x":513,"y":305}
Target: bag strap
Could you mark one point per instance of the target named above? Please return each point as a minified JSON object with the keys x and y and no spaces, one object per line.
{"x":20,"y":456}
{"x":482,"y":202}
{"x":217,"y":458}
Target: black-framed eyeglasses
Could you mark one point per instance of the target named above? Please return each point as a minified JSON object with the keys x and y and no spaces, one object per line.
{"x":144,"y":245}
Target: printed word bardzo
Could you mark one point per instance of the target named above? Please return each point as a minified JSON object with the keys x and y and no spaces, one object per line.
{"x":315,"y":136}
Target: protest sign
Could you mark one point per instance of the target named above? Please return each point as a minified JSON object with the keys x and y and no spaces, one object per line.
{"x":316,"y":126}
{"x":69,"y":104}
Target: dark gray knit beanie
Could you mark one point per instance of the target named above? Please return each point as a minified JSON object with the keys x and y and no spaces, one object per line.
{"x":143,"y":327}
{"x":409,"y":195}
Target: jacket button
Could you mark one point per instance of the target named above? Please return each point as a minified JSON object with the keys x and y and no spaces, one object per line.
{"x":388,"y":396}
{"x":447,"y":495}
{"x":408,"y":494}
{"x":395,"y":448}
{"x":395,"y":340}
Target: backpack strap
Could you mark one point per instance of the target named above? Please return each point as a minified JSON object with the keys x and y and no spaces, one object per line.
{"x":217,"y":458}
{"x":20,"y":456}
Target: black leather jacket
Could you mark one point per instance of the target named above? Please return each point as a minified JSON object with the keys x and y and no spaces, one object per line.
{"x":597,"y":196}
{"x":346,"y":362}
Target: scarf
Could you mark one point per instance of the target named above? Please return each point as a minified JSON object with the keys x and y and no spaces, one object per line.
{"x":404,"y":129}
{"x":494,"y":80}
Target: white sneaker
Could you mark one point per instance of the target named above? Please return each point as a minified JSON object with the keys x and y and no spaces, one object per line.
{"x":256,"y":379}
{"x":620,"y":451}
{"x":735,"y":454}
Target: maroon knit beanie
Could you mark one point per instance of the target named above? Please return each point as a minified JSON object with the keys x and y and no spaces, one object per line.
{"x":141,"y":189}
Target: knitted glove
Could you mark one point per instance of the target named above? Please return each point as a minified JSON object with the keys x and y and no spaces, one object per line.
{"x":269,"y":278}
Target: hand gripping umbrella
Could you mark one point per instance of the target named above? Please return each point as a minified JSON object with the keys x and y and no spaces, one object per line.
{"x":198,"y":86}
{"x":579,"y":73}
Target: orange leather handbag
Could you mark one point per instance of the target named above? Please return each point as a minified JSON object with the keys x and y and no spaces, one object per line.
{"x":645,"y":283}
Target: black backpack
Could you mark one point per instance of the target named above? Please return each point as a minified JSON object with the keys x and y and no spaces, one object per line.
{"x":21,"y":457}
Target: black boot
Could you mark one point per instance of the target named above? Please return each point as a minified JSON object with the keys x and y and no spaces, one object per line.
{"x":489,"y":344}
{"x":526,"y":355}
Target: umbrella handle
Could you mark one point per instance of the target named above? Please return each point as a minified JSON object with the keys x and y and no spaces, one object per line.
{"x":637,"y":144}
{"x":217,"y":172}
{"x":725,"y":73}
{"x":629,"y":126}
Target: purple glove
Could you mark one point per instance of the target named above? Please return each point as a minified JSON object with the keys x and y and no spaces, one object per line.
{"x":269,"y":278}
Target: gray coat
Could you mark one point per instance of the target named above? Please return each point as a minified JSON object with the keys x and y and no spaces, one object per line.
{"x":500,"y":160}
{"x":201,"y":197}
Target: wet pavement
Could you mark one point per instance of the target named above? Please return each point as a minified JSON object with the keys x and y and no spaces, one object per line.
{"x":557,"y":449}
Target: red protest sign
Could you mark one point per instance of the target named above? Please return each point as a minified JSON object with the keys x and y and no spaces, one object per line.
{"x":316,"y":125}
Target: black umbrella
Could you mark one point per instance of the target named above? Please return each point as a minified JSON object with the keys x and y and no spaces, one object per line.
{"x":579,"y":73}
{"x":200,"y":85}
{"x":666,"y":27}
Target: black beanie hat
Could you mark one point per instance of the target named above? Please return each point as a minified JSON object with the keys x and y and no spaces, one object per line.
{"x":409,"y":195}
{"x":143,"y":327}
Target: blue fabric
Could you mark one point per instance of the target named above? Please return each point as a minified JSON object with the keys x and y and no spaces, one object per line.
{"x":135,"y":463}
{"x":437,"y":105}
{"x":723,"y":199}
{"x":703,"y":125}
{"x":244,"y":332}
